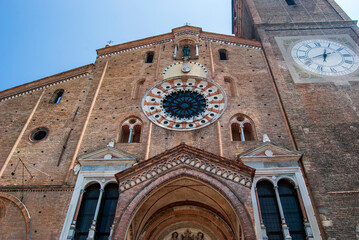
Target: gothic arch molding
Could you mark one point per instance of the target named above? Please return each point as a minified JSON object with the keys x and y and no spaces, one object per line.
{"x":23,"y":209}
{"x":142,"y":192}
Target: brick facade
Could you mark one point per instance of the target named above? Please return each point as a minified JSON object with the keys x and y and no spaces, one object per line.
{"x":320,"y":120}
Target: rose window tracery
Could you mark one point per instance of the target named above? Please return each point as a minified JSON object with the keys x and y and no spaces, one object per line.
{"x":184,"y":103}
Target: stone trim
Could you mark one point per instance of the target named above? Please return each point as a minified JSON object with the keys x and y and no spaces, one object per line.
{"x":38,"y":88}
{"x":23,"y":210}
{"x":184,"y":159}
{"x":135,"y":47}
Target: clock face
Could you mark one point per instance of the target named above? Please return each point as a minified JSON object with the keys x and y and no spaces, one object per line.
{"x":325,"y":57}
{"x":184,"y":104}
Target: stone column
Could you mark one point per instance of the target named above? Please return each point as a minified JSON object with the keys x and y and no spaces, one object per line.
{"x":71,"y":234}
{"x":242,"y":133}
{"x":111,"y":231}
{"x":197,"y":52}
{"x":92,"y":229}
{"x":285,"y":228}
{"x":175,"y":52}
{"x":308,"y":229}
{"x":130,"y":137}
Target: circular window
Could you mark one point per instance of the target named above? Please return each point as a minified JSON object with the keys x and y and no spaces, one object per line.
{"x":184,"y":103}
{"x":39,"y":134}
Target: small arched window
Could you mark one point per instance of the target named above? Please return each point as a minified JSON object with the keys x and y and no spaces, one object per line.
{"x":56,"y":97}
{"x":290,"y":2}
{"x":223,"y":54}
{"x":269,"y":210}
{"x":131,"y":130}
{"x":149,"y":57}
{"x":87,"y":211}
{"x":242,"y":128}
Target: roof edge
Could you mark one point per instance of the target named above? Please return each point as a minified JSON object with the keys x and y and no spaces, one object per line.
{"x":34,"y":85}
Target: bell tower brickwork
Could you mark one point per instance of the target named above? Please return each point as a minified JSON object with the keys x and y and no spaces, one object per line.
{"x":323,"y":117}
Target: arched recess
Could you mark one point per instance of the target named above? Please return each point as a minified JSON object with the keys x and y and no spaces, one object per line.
{"x":136,"y":90}
{"x":183,"y":199}
{"x":20,"y":224}
{"x":232,"y":86}
{"x":242,"y":128}
{"x":189,"y":46}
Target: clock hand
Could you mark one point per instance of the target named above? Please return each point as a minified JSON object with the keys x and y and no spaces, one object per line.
{"x":321,"y":55}
{"x":325,"y":55}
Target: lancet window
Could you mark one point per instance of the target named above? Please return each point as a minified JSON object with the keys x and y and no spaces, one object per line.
{"x":56,"y":97}
{"x":149,"y":57}
{"x":223,"y":54}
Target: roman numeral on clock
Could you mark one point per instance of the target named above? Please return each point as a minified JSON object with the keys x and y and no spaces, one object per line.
{"x":308,"y":63}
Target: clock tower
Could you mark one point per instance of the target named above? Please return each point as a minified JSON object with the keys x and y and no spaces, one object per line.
{"x":311,"y":48}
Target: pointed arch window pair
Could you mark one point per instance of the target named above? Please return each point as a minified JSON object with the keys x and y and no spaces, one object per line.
{"x":131,"y":130}
{"x":242,"y":128}
{"x":281,"y":210}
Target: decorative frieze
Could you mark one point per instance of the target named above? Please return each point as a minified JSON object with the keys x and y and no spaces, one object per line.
{"x":187,"y":160}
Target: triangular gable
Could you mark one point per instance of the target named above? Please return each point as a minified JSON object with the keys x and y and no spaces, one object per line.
{"x":269,"y":152}
{"x":185,"y":156}
{"x":108,"y":156}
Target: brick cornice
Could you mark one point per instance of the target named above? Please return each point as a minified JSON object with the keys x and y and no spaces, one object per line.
{"x":46,"y":82}
{"x":169,"y":37}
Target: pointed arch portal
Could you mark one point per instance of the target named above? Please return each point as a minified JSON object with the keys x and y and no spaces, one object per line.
{"x":183,"y":200}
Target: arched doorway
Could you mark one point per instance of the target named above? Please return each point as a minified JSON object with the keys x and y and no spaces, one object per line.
{"x":185,"y":207}
{"x":185,"y":194}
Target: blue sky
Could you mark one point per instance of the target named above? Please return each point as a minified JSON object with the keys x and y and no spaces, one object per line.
{"x":40,"y":38}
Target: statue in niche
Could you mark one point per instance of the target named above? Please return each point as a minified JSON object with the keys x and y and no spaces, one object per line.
{"x":174,"y":236}
{"x":187,"y":235}
{"x":185,"y":50}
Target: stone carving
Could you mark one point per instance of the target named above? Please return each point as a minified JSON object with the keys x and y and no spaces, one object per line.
{"x":200,"y":236}
{"x":174,"y":236}
{"x":188,"y":235}
{"x":190,"y":161}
